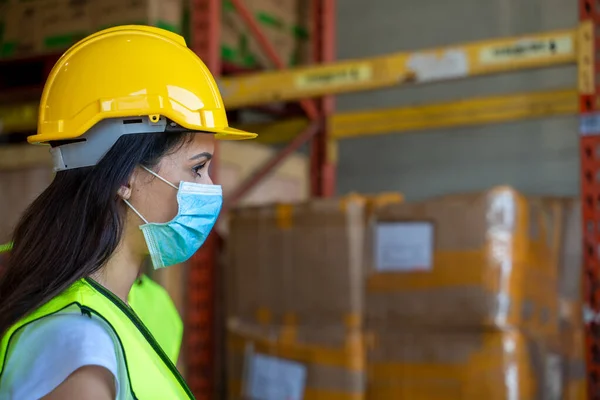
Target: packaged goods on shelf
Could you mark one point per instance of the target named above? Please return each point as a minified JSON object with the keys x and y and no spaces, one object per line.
{"x":304,"y":259}
{"x":21,"y":34}
{"x":64,"y":22}
{"x":468,"y":261}
{"x":571,"y":305}
{"x":33,"y":27}
{"x":50,"y":26}
{"x":574,"y":368}
{"x":452,"y":365}
{"x":45,"y":26}
{"x":166,"y":14}
{"x":295,"y":290}
{"x":283,"y":22}
{"x":571,"y":266}
{"x":314,"y":365}
{"x":3,"y":18}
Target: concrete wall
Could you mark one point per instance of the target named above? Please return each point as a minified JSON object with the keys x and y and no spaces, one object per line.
{"x":535,"y":156}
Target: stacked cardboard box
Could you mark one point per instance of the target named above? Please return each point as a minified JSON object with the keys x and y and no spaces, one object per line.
{"x":42,"y":26}
{"x":30,"y":27}
{"x":570,"y":311}
{"x":462,"y":298}
{"x":283,"y":22}
{"x":3,"y":16}
{"x":296,"y":301}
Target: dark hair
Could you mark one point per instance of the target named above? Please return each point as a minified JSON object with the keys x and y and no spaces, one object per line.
{"x":74,"y":226}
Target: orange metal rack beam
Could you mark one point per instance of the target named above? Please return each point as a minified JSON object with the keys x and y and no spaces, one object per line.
{"x":589,"y":66}
{"x":200,"y":328}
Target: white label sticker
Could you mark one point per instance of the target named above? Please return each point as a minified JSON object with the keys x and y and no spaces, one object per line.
{"x":527,"y":49}
{"x":431,"y":67}
{"x":272,"y":378}
{"x":404,"y":246}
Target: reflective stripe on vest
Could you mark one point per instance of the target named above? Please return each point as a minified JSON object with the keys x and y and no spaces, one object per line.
{"x":151,"y":374}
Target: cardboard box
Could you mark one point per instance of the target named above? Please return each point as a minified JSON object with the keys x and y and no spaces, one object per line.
{"x":574,"y":372}
{"x":301,"y":262}
{"x":467,"y":261}
{"x":166,"y":14}
{"x":21,"y":36}
{"x":571,"y":304}
{"x":307,"y":365}
{"x":456,"y":365}
{"x":284,"y":23}
{"x":295,"y":292}
{"x":571,"y":267}
{"x":3,"y":16}
{"x":64,"y":22}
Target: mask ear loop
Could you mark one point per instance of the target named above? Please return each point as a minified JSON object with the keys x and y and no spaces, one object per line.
{"x":135,"y":211}
{"x":160,"y":177}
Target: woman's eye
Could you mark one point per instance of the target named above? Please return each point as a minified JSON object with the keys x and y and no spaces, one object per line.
{"x":198,"y":168}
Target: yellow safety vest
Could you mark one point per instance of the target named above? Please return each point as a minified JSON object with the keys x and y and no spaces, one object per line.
{"x":152,"y":303}
{"x":150,"y":372}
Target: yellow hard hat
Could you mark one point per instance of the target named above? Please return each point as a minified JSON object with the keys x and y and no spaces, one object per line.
{"x":131,"y":71}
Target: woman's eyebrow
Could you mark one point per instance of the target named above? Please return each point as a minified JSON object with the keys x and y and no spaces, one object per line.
{"x":207,"y":155}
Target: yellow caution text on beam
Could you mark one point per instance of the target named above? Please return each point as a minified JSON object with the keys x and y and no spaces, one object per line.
{"x":334,"y":76}
{"x":526,"y":49}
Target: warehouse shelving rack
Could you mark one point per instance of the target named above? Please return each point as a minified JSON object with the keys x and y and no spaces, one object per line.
{"x":313,"y":87}
{"x":20,"y":85}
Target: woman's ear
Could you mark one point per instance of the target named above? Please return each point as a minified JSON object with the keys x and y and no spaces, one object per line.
{"x":126,"y":189}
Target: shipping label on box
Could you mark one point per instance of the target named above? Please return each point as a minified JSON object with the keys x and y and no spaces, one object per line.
{"x":273,"y":378}
{"x":404,"y":246}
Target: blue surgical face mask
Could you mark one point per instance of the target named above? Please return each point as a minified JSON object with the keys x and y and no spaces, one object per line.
{"x":176,"y":241}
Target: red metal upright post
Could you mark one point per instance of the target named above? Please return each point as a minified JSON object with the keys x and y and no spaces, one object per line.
{"x":588,"y":67}
{"x":200,"y":327}
{"x":323,"y":148}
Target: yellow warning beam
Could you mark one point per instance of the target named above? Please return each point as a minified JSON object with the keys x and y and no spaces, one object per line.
{"x":474,"y":111}
{"x":450,"y":62}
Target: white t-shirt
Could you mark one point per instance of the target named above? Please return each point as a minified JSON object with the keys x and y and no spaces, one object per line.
{"x":44,"y":353}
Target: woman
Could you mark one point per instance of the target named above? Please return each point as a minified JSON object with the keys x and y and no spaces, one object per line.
{"x":131,"y":115}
